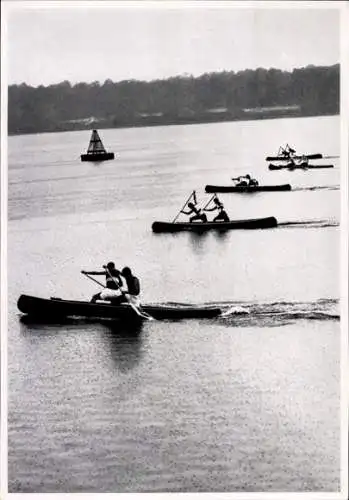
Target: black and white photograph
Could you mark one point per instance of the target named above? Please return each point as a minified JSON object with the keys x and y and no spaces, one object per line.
{"x":173,"y":213}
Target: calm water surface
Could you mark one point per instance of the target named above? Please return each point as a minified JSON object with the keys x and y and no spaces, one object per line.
{"x":240,"y":403}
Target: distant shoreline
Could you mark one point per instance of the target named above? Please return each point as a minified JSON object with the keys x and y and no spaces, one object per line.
{"x":164,"y":123}
{"x":184,"y":100}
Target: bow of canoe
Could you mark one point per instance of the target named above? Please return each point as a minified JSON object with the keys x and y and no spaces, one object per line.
{"x":209,"y":188}
{"x":55,"y":308}
{"x":199,"y":227}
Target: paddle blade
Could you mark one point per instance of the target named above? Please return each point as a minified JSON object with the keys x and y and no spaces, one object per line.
{"x":141,"y":314}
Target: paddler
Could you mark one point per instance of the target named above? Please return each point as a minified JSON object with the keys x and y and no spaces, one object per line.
{"x":285,"y":152}
{"x":303,"y":161}
{"x":194,"y":210}
{"x":112,"y":292}
{"x":222,"y":214}
{"x":288,"y":152}
{"x":246,"y":180}
{"x":133,"y":286}
{"x":251,"y":181}
{"x":242,"y":180}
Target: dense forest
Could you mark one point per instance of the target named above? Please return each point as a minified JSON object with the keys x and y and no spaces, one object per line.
{"x":248,"y":94}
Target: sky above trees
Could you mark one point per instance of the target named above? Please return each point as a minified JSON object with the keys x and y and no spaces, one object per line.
{"x":98,"y":41}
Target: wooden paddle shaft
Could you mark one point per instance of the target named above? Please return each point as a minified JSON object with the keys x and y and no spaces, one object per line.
{"x":174,"y":220}
{"x":93,"y":279}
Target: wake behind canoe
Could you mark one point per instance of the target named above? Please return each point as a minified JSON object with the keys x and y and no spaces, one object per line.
{"x":199,"y":227}
{"x":55,"y":308}
{"x":209,"y":188}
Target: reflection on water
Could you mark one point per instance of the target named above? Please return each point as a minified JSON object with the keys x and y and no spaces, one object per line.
{"x":221,"y":235}
{"x":36,"y":323}
{"x":198,"y":241}
{"x":124,"y":343}
{"x":37,"y":328}
{"x":69,"y":323}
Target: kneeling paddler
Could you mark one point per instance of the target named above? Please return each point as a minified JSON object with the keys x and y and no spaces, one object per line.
{"x":133,"y":286}
{"x":222,"y":214}
{"x":194,"y":210}
{"x":115,"y":291}
{"x":245,"y":181}
{"x":113,"y":283}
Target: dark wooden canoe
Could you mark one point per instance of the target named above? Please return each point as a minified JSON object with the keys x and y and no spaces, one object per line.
{"x":245,"y":189}
{"x":199,"y":227}
{"x":302,"y":166}
{"x":55,"y":308}
{"x":316,"y":156}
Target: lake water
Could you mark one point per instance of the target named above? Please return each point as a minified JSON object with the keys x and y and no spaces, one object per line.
{"x":238,"y":403}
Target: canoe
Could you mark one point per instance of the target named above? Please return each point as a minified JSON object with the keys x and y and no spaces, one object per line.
{"x":199,"y":227}
{"x":56,"y":308}
{"x":302,"y":166}
{"x":316,"y":156}
{"x":245,"y":189}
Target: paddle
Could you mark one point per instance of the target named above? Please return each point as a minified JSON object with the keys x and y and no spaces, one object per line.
{"x":286,"y":151}
{"x":209,"y":201}
{"x":185,"y":204}
{"x":290,"y":150}
{"x":137,"y":309}
{"x":93,"y":279}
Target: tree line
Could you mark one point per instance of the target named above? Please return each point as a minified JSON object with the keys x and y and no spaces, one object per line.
{"x":226,"y":95}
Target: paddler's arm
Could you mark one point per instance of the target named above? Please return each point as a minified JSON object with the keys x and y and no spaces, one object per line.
{"x":210,"y":209}
{"x":186,"y":213}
